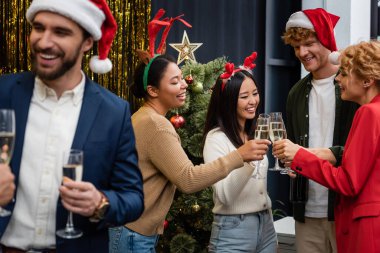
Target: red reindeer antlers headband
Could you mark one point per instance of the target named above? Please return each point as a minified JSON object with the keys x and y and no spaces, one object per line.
{"x":248,"y":65}
{"x":162,"y":47}
{"x":154,"y":27}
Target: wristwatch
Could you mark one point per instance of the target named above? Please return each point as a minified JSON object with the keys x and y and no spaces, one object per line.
{"x":101,"y":209}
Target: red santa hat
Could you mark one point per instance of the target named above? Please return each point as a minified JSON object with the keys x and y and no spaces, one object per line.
{"x":94,"y":16}
{"x":318,"y":20}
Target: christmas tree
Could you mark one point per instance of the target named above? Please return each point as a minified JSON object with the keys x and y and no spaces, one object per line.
{"x":188,"y":224}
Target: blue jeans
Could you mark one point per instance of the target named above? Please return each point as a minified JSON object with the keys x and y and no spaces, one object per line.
{"x":252,"y":233}
{"x":124,"y":240}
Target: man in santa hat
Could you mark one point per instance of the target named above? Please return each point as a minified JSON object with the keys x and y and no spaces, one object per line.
{"x":59,"y":108}
{"x":316,"y":118}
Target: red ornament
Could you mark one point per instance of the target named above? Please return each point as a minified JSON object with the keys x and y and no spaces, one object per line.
{"x":166,"y":224}
{"x":189,"y":79}
{"x":177,"y":120}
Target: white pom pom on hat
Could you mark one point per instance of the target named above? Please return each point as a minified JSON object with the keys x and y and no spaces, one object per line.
{"x":94,"y":16}
{"x":100,"y":66}
{"x":334,"y":58}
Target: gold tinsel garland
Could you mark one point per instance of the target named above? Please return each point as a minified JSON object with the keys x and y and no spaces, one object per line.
{"x":132,"y":17}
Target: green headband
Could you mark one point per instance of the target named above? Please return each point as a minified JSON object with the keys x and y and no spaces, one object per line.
{"x":146,"y":71}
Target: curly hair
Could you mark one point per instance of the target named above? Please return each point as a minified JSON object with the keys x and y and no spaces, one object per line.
{"x":363,"y":59}
{"x":297,"y":34}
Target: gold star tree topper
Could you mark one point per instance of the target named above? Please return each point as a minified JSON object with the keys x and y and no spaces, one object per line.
{"x":185,"y":49}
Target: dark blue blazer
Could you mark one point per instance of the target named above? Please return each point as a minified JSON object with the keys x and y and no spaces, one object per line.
{"x":104,"y":132}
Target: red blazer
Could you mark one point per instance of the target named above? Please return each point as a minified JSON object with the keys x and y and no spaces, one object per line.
{"x":357,"y":182}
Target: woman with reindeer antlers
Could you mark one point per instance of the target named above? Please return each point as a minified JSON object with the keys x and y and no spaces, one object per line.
{"x":242,"y":208}
{"x":163,"y":162}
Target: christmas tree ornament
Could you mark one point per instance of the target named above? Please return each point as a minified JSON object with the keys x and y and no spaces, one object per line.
{"x":196,"y":208}
{"x":177,"y":121}
{"x":197,"y":87}
{"x":185,"y":49}
{"x":166,"y":224}
{"x":189,"y":79}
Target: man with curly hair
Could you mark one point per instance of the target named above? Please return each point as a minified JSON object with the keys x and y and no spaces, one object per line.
{"x":316,"y":118}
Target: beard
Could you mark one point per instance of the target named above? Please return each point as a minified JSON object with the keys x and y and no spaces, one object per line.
{"x":67,"y":64}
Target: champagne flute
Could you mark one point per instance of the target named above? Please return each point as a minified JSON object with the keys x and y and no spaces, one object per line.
{"x":285,"y":170}
{"x":72,"y":169}
{"x":7,"y":140}
{"x":261,"y":133}
{"x":277,"y":132}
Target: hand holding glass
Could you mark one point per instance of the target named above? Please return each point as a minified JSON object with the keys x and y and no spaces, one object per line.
{"x":72,"y":169}
{"x":7,"y":140}
{"x":261,"y":133}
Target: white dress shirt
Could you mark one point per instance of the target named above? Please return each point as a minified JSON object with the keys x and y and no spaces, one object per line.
{"x":50,"y":130}
{"x":321,"y":134}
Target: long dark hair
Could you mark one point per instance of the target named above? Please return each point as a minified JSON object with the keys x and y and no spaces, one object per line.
{"x":222,"y":109}
{"x":156,"y":72}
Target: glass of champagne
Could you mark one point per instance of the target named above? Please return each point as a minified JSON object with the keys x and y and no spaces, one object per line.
{"x":72,"y":169}
{"x":7,"y":140}
{"x":261,"y":133}
{"x":285,"y":170}
{"x":277,"y":132}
